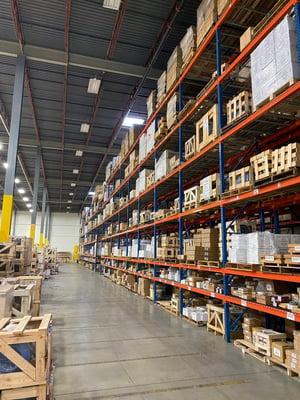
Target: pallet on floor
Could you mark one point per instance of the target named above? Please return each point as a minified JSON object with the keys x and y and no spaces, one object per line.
{"x":191,"y":321}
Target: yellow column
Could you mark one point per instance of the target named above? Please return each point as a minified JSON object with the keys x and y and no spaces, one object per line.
{"x":7,"y":208}
{"x":32,"y":232}
{"x":41,"y":240}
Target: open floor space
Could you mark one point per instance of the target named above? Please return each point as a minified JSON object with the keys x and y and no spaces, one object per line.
{"x":112,"y":344}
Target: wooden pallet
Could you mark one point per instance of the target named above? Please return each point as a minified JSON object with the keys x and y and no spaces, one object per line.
{"x":36,"y":330}
{"x":238,"y":106}
{"x":190,"y":321}
{"x":272,"y":361}
{"x":278,"y":177}
{"x":243,"y":267}
{"x":249,"y":348}
{"x":190,"y":147}
{"x":274,"y":94}
{"x":236,"y":192}
{"x":191,"y":206}
{"x":209,"y":263}
{"x":166,"y":305}
{"x":39,"y":392}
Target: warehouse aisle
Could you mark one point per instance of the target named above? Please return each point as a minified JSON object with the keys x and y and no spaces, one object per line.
{"x":112,"y":344}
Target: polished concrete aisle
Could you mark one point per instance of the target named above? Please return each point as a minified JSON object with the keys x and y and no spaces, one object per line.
{"x":112,"y":344}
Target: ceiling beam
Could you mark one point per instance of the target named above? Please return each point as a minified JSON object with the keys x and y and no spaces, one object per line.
{"x":49,"y":145}
{"x":58,"y":57}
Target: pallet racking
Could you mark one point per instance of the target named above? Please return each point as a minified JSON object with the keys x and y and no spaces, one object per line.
{"x":271,"y":124}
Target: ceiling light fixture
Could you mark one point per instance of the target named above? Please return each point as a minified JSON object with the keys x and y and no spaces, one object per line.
{"x":68,"y":208}
{"x":21,"y":191}
{"x":112,"y":4}
{"x":71,"y":194}
{"x":73,"y":184}
{"x":91,"y":193}
{"x":28,"y":205}
{"x":31,"y":210}
{"x":1,"y":146}
{"x":94,"y":85}
{"x":69,"y":201}
{"x":17,"y":180}
{"x":79,"y":153}
{"x":84,"y":128}
{"x":25,"y":199}
{"x":130,"y":121}
{"x":5,"y":165}
{"x":76,"y":171}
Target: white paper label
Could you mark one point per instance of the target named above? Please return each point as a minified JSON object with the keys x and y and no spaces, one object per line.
{"x":277,"y":352}
{"x":296,"y":259}
{"x":189,"y":288}
{"x":290,"y":316}
{"x":297,"y":248}
{"x":255,"y":191}
{"x":244,"y":303}
{"x":212,"y":294}
{"x":269,"y":258}
{"x":173,"y":283}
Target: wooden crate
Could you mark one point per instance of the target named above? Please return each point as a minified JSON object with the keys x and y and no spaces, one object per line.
{"x":241,"y":178}
{"x":210,"y":187}
{"x":160,"y":214}
{"x":28,"y":330}
{"x":207,"y":128}
{"x":174,"y":162}
{"x":190,"y":147}
{"x":286,"y":158}
{"x":206,"y":17}
{"x":23,"y":300}
{"x":192,"y":196}
{"x":262,"y":165}
{"x":39,"y":392}
{"x":6,"y":300}
{"x":150,"y":179}
{"x":246,"y":38}
{"x":36,"y":281}
{"x":169,"y":241}
{"x":7,"y":250}
{"x":6,"y":268}
{"x":167,"y":253}
{"x":215,"y":321}
{"x":238,"y":106}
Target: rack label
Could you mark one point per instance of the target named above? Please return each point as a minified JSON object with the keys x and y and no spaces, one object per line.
{"x":189,"y":288}
{"x":255,"y":191}
{"x":212,"y":294}
{"x":290,"y":315}
{"x":244,"y":303}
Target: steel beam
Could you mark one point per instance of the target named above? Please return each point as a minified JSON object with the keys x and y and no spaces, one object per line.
{"x":58,"y":57}
{"x":7,"y":204}
{"x":51,"y":145}
{"x":35,"y":193}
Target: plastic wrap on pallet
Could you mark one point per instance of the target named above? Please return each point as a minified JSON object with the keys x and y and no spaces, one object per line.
{"x":188,"y":42}
{"x":161,"y":85}
{"x":142,"y":147}
{"x":150,"y":137}
{"x":141,"y":182}
{"x":108,"y":170}
{"x":162,"y":165}
{"x":274,"y":63}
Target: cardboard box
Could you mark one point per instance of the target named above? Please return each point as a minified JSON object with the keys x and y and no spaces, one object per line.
{"x":279,"y":350}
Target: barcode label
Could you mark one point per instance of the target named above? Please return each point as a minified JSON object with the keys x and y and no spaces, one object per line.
{"x":244,"y":303}
{"x":290,"y":316}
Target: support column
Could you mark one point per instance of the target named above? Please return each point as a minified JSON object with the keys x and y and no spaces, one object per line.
{"x":48,"y":225}
{"x":35,"y":193}
{"x":41,"y":242}
{"x":7,"y":204}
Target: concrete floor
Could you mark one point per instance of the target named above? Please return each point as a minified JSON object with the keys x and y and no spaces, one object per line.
{"x":112,"y":344}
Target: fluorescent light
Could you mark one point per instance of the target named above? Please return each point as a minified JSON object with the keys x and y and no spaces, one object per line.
{"x":84,"y":128}
{"x":112,"y":4}
{"x":1,"y":145}
{"x":75,"y":171}
{"x":130,"y":121}
{"x":73,"y":184}
{"x":71,"y":194}
{"x":28,"y":205}
{"x":78,"y":153}
{"x":5,"y":165}
{"x":21,"y":191}
{"x":91,"y":193}
{"x":68,"y":208}
{"x":31,"y":210}
{"x":17,"y":180}
{"x":94,"y":85}
{"x":25,"y":199}
{"x":69,"y":201}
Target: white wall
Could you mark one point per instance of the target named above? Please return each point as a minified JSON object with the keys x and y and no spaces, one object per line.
{"x":64,"y":229}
